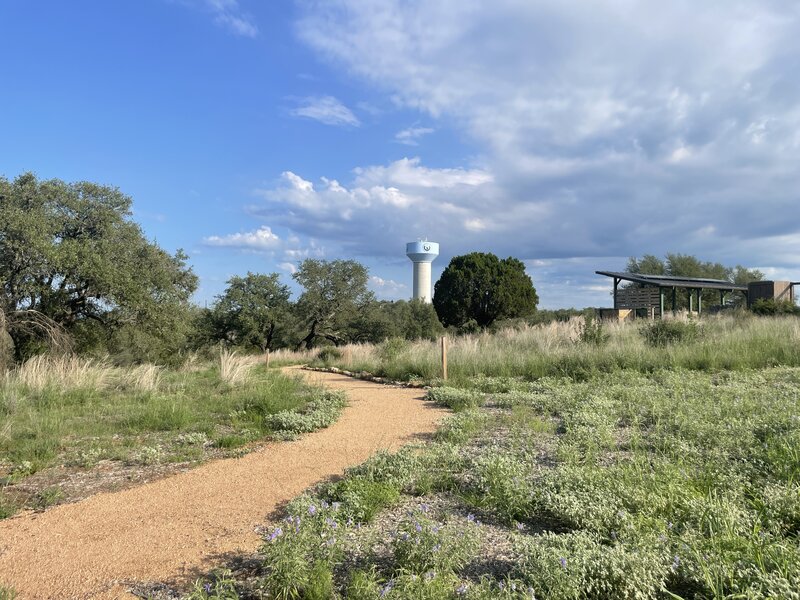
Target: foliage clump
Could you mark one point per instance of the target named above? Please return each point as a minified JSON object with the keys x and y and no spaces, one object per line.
{"x":664,"y":332}
{"x":71,"y":258}
{"x":770,"y":306}
{"x":482,"y":288}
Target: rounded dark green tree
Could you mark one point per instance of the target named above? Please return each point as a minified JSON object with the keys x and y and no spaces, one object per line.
{"x":481,"y":287}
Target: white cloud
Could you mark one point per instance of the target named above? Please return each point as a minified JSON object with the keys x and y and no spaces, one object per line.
{"x":384,"y":206}
{"x":388,"y":288}
{"x":261,"y":239}
{"x":612,"y":132}
{"x":327,"y":110}
{"x":410,"y":136}
{"x":228,"y":14}
{"x":289,"y":267}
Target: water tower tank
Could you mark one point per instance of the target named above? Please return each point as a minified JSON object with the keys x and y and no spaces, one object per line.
{"x":422,"y":254}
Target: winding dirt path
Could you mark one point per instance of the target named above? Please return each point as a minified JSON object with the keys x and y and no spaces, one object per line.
{"x":179,"y":527}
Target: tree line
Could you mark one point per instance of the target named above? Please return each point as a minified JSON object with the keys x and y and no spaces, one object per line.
{"x":78,"y":274}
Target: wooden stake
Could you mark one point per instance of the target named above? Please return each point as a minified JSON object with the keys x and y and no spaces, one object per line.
{"x":444,"y":358}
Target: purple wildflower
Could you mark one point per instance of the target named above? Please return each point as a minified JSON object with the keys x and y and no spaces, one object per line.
{"x":430,"y":575}
{"x":563,"y":562}
{"x":520,"y":526}
{"x":418,"y":527}
{"x":207,"y":588}
{"x":470,"y":517}
{"x":324,"y":505}
{"x":462,"y":589}
{"x":676,"y":562}
{"x":312,"y":510}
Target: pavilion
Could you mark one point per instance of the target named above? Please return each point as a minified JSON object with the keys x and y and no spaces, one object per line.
{"x":654,"y":292}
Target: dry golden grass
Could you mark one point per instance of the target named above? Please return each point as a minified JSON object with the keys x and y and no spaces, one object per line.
{"x":66,"y":372}
{"x":235,"y":368}
{"x":69,"y":372}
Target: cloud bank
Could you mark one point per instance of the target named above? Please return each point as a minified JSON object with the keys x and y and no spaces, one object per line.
{"x":609,"y":131}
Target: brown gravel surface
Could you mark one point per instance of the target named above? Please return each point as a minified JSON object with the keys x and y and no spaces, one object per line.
{"x":179,"y":527}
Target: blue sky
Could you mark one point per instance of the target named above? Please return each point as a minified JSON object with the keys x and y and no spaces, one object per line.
{"x":568,"y":134}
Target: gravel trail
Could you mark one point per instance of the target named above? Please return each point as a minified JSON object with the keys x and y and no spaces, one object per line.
{"x":179,"y":527}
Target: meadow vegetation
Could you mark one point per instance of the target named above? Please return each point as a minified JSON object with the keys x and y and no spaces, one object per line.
{"x":669,"y":475}
{"x":565,"y":349}
{"x":77,"y":412}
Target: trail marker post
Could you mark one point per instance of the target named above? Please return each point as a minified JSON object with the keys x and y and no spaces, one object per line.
{"x":444,"y":358}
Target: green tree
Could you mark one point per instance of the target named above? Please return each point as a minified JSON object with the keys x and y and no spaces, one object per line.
{"x":334,"y":299}
{"x":251,"y":312}
{"x":411,"y":320}
{"x":482,"y":288}
{"x":70,"y":254}
{"x":687,"y":265}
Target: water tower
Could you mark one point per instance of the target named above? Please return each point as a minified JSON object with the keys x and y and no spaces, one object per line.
{"x":422,"y":254}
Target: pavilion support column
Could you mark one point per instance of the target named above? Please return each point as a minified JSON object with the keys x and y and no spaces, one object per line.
{"x":699,"y":301}
{"x":722,"y":298}
{"x":691,"y":300}
{"x":616,"y":283}
{"x":674,"y":301}
{"x":661,"y":303}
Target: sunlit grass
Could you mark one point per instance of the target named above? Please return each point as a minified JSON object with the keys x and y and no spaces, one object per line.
{"x":554,"y":349}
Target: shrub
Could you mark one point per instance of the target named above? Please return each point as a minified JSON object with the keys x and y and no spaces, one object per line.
{"x":301,"y":551}
{"x":577,"y":565}
{"x":329,"y":354}
{"x":319,"y":413}
{"x":770,"y":306}
{"x":591,"y":332}
{"x":664,"y":332}
{"x":362,"y":498}
{"x":502,"y":486}
{"x":455,"y":398}
{"x":391,"y":349}
{"x":423,"y":545}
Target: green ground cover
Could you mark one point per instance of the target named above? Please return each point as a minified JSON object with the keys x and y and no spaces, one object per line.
{"x":76,"y":413}
{"x":671,"y":484}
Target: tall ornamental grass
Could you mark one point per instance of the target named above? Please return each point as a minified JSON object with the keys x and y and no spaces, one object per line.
{"x":555,"y":349}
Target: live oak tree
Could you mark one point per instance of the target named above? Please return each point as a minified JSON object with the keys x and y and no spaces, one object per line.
{"x":71,"y":254}
{"x":252,"y":311}
{"x":481,"y":288}
{"x":334,"y":300}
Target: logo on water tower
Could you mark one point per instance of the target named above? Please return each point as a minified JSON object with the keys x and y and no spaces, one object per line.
{"x":426,"y":247}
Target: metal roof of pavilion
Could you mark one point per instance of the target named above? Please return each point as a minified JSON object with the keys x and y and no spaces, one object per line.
{"x":670,"y":281}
